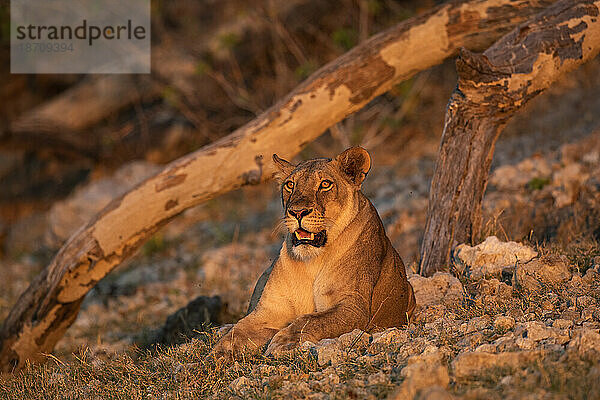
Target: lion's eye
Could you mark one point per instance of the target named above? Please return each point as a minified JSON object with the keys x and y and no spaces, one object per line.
{"x":326,"y":185}
{"x":289,"y":185}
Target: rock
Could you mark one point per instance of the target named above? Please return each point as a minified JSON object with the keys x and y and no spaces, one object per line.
{"x":243,"y":386}
{"x":355,"y":339}
{"x":430,"y":313}
{"x":593,"y":325}
{"x":537,"y":331}
{"x":66,"y":216}
{"x":586,"y":344}
{"x":422,"y":372}
{"x":391,"y":336}
{"x":516,"y":177}
{"x":577,"y":282}
{"x":489,"y":258}
{"x":441,"y":325}
{"x":441,"y":288}
{"x":327,"y":351}
{"x":562,"y":323}
{"x":540,"y":273}
{"x":196,"y":316}
{"x":476,"y":364}
{"x":379,"y":378}
{"x":566,"y":183}
{"x":487,"y":348}
{"x":477,"y":324}
{"x":524,"y":343}
{"x":592,"y":274}
{"x":590,"y":314}
{"x":585,"y":301}
{"x":571,"y":314}
{"x":503,"y":323}
{"x":505,"y":343}
{"x":495,"y":290}
{"x":382,"y":340}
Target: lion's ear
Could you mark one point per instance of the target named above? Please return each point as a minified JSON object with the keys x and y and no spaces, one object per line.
{"x":283,"y":168}
{"x":355,"y":163}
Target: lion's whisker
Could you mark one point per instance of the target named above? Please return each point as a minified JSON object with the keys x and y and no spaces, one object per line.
{"x":279,"y":228}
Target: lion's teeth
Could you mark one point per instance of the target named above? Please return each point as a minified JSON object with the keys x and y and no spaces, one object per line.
{"x":304,"y":235}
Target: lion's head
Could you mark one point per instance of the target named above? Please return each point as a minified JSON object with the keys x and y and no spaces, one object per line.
{"x":320,"y":198}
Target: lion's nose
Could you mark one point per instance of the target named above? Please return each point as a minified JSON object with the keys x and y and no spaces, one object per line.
{"x":298,"y":213}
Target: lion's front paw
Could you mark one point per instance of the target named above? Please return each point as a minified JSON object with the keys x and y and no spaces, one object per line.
{"x":233,"y":344}
{"x":284,"y":341}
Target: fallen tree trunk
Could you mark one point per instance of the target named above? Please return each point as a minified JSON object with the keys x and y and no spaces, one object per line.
{"x":50,"y":304}
{"x":491,"y":88}
{"x":61,"y":121}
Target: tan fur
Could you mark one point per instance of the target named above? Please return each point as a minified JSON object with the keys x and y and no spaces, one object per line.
{"x":356,"y":280}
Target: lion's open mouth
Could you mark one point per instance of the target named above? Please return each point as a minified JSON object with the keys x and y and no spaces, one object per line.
{"x":302,"y":236}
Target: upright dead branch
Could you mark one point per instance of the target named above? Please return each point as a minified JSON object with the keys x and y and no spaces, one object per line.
{"x":50,"y":304}
{"x":491,"y":88}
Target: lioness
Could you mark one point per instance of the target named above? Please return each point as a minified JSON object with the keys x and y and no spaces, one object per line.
{"x":336,"y":271}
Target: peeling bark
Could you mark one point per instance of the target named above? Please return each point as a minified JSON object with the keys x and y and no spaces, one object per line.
{"x":51,"y":303}
{"x":491,"y":88}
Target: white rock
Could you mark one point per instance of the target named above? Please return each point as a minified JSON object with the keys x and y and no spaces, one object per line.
{"x":540,"y":273}
{"x":537,"y":331}
{"x":586,"y":343}
{"x":422,"y":372}
{"x":516,"y":177}
{"x":489,"y":258}
{"x":525,"y":343}
{"x":470,"y":364}
{"x":441,"y":288}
